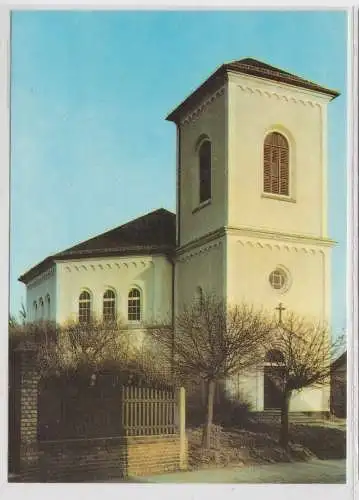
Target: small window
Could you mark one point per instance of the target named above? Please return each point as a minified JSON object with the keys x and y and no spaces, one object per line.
{"x":42,"y":309}
{"x":276,"y":164}
{"x":34,"y":307}
{"x":48,"y":304}
{"x":84,"y":307}
{"x":199,"y":297}
{"x":278,"y":279}
{"x":109,"y":306}
{"x":134,"y":305}
{"x":205,"y":171}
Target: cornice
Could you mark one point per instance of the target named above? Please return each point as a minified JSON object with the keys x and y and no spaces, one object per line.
{"x":41,"y":277}
{"x":275,"y":94}
{"x":203,"y":249}
{"x":202,"y":240}
{"x":196,"y":112}
{"x":254,"y":233}
{"x":266,"y":234}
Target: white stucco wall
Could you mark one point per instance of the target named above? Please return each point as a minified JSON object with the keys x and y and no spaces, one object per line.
{"x":207,"y":119}
{"x":151,"y":274}
{"x":202,"y":266}
{"x":250,"y":260}
{"x":256,"y":107}
{"x":40,"y":287}
{"x":249,"y":388}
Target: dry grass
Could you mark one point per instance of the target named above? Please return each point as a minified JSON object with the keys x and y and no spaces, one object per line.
{"x":240,"y":447}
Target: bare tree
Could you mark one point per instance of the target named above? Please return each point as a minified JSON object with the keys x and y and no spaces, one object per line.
{"x":22,"y":313}
{"x":213,"y":341}
{"x":79,"y":346}
{"x":301,"y":354}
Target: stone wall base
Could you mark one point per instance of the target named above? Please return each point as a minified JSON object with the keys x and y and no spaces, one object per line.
{"x":104,"y":459}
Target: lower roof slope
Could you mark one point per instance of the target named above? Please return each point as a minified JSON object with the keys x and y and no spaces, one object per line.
{"x":152,"y":233}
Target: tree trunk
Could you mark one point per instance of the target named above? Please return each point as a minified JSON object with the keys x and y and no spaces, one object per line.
{"x":206,"y":441}
{"x":284,"y":420}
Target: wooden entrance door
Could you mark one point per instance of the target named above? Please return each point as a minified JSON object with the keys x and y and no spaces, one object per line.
{"x":272,"y":394}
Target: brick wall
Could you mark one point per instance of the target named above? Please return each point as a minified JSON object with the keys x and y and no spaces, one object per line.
{"x":104,"y":459}
{"x":87,"y":459}
{"x":28,"y":409}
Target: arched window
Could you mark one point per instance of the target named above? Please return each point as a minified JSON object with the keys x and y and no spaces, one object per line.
{"x":276,"y":164}
{"x":205,"y":171}
{"x":84,"y":307}
{"x":134,"y":305}
{"x":42,"y":309}
{"x":48,"y":306}
{"x":199,"y":297}
{"x":109,"y":306}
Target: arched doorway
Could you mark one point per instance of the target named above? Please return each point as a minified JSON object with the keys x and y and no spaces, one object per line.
{"x":273,"y":379}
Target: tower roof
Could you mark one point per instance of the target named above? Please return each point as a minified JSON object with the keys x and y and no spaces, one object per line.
{"x":252,"y":67}
{"x":152,"y":233}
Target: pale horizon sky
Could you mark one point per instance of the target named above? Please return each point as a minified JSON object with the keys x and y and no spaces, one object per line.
{"x":90,"y":147}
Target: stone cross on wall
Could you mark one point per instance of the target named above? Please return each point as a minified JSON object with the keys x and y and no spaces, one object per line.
{"x":280,"y":309}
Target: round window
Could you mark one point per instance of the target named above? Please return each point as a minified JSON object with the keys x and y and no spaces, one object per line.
{"x":278,"y":279}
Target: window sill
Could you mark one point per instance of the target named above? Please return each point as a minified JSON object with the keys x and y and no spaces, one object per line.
{"x":280,"y":197}
{"x":202,"y":205}
{"x":133,"y":324}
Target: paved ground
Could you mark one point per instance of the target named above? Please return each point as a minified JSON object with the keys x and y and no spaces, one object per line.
{"x":315,"y":471}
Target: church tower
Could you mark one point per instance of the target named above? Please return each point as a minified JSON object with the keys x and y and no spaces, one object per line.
{"x":252,"y":190}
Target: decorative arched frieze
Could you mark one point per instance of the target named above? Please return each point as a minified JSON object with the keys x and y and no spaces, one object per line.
{"x":200,"y":251}
{"x":277,"y":95}
{"x":280,"y":247}
{"x":194,"y":114}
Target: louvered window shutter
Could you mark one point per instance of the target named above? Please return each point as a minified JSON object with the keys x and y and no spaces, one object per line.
{"x":267,"y":168}
{"x":276,"y":164}
{"x":284,"y":171}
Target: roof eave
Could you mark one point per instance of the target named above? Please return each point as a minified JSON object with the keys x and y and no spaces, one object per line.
{"x":36,"y":270}
{"x":208,"y":83}
{"x":174,"y":115}
{"x":49,"y":261}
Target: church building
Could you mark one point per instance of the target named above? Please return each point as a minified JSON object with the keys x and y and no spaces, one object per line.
{"x":250,"y":223}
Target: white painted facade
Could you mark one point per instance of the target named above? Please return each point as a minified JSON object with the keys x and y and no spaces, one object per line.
{"x":151,"y":275}
{"x":42,"y":289}
{"x":231,"y":243}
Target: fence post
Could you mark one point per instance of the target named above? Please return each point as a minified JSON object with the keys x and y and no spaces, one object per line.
{"x":182,"y":427}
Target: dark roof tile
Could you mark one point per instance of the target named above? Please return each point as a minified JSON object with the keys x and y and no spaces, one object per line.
{"x":152,"y":233}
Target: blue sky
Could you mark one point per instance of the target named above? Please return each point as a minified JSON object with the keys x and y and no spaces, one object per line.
{"x":90,"y":148}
